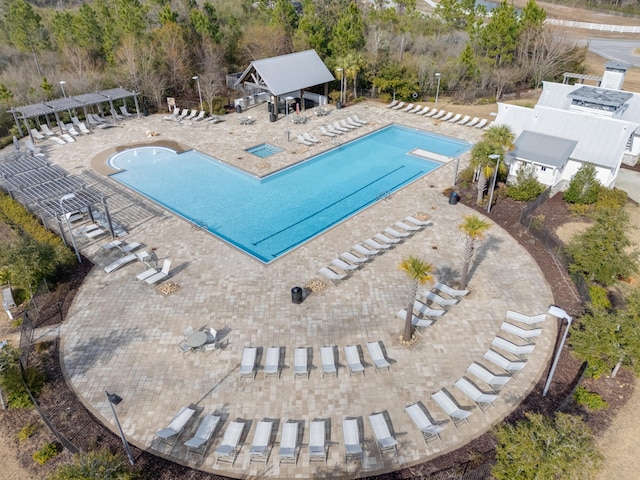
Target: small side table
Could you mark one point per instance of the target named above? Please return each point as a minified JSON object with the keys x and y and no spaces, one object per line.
{"x":196,"y":339}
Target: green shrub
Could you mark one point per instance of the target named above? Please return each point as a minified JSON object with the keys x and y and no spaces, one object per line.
{"x":27,"y":431}
{"x":579,"y":209}
{"x":94,"y":466}
{"x":11,"y":380}
{"x":599,"y":297}
{"x":46,"y":453}
{"x":611,"y":198}
{"x":584,"y":187}
{"x":17,"y":322}
{"x":526,"y":186}
{"x":591,"y":400}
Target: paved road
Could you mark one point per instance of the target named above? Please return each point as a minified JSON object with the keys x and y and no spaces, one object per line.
{"x":619,"y":50}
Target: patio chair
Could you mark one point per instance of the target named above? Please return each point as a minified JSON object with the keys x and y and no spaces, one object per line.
{"x":398,"y":106}
{"x":58,"y":140}
{"x":228,"y":450}
{"x":32,"y":149}
{"x":426,"y":310}
{"x":524,"y":333}
{"x":289,"y":445}
{"x":300,"y":362}
{"x":416,"y":109}
{"x":121,"y":262}
{"x":272,"y":362}
{"x":384,"y":439}
{"x":261,"y":444}
{"x":129,"y":247}
{"x":309,"y":138}
{"x":510,"y":366}
{"x":326,"y":133}
{"x":457,"y":117}
{"x":248,"y":362}
{"x":437,"y":299}
{"x":192,"y":115}
{"x":344,"y":124}
{"x":414,"y":221}
{"x":300,"y":139}
{"x":36,"y":134}
{"x":388,"y":240}
{"x":44,"y":128}
{"x":377,"y":356}
{"x":441,"y":287}
{"x":423,"y":110}
{"x":331,"y":275}
{"x":161,"y":275}
{"x":147,"y":273}
{"x":457,"y":414}
{"x":496,"y":382}
{"x":124,"y":111}
{"x":407,"y":227}
{"x":420,"y":417}
{"x":447,"y":117}
{"x":83,"y":128}
{"x":407,"y":108}
{"x":431,"y":113}
{"x":529,"y":320}
{"x":336,"y":262}
{"x":327,"y":356}
{"x":318,"y":448}
{"x":473,"y":122}
{"x":480,"y":124}
{"x":350,"y":257}
{"x":465,"y":120}
{"x":351,"y":122}
{"x":440,"y":114}
{"x":176,"y":426}
{"x":417,"y":322}
{"x":200,"y":116}
{"x":395,"y":233}
{"x":353,"y":360}
{"x":185,"y":348}
{"x":115,"y":115}
{"x":392,"y":104}
{"x":337,"y":126}
{"x":375,"y":245}
{"x":359,"y":120}
{"x":482,"y":399}
{"x":352,"y":442}
{"x":67,"y":138}
{"x":516,"y":349}
{"x":365,"y":251}
{"x":200,"y":440}
{"x":333,"y":130}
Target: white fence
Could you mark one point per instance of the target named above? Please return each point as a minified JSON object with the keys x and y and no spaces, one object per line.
{"x":596,"y":26}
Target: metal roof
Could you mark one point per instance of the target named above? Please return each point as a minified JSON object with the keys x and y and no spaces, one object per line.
{"x":514,"y":116}
{"x":600,"y":96}
{"x":288,"y":73}
{"x":542,"y":149}
{"x":615,"y":65}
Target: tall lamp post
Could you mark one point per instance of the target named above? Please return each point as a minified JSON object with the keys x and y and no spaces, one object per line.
{"x":69,"y":196}
{"x":496,"y":157}
{"x":438,"y":75}
{"x":197,"y":79}
{"x":114,"y":399}
{"x":62,"y":82}
{"x":341,"y":71}
{"x":562,"y":315}
{"x":286,"y":106}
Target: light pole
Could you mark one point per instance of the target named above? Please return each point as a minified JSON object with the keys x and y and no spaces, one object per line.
{"x":341,"y":80}
{"x":62,"y":82}
{"x":286,"y":106}
{"x":562,"y":315}
{"x":197,"y":79}
{"x":69,"y":196}
{"x":114,"y":399}
{"x":438,"y":75}
{"x":496,"y":157}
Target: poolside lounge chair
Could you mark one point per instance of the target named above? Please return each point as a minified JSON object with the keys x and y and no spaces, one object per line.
{"x":431,"y":113}
{"x":441,"y":287}
{"x":116,"y":116}
{"x":44,"y":128}
{"x":300,"y":362}
{"x":428,"y":311}
{"x":336,"y":262}
{"x":473,"y":122}
{"x":192,"y":115}
{"x":440,"y":114}
{"x":327,"y":356}
{"x":496,"y":382}
{"x":32,"y":149}
{"x":365,"y":251}
{"x":350,"y":257}
{"x":352,"y":442}
{"x":510,"y":366}
{"x":175,"y":427}
{"x":111,"y":245}
{"x":200,"y":116}
{"x":398,"y":106}
{"x":423,"y":110}
{"x":7,"y":298}
{"x":331,"y":275}
{"x":480,"y":124}
{"x":523,"y":333}
{"x":407,"y":227}
{"x":147,"y":273}
{"x":359,"y":120}
{"x":309,"y":138}
{"x":272,"y":362}
{"x":326,"y":133}
{"x":248,"y":362}
{"x":438,"y":300}
{"x":457,"y":414}
{"x":447,"y":116}
{"x":396,"y":233}
{"x":483,"y":400}
{"x":465,"y":120}
{"x":338,"y":127}
{"x":529,"y":320}
{"x":511,"y":347}
{"x":388,"y":240}
{"x":416,"y":109}
{"x":83,"y":128}
{"x":123,"y":110}
{"x":353,"y":119}
{"x":375,"y":245}
{"x":455,"y":118}
{"x":392,"y":104}
{"x":407,"y":108}
{"x":128,"y":247}
{"x":261,"y":444}
{"x":414,"y":221}
{"x":70,"y":129}
{"x":300,"y":139}
{"x":420,"y":417}
{"x":353,"y":360}
{"x":58,"y":140}
{"x":384,"y":439}
{"x":228,"y":450}
{"x":377,"y":356}
{"x":121,"y":262}
{"x":36,"y":134}
{"x":416,"y":321}
{"x":199,"y":442}
{"x":344,"y":124}
{"x":335,"y":131}
{"x":318,"y":448}
{"x":67,"y":138}
{"x":350,"y":121}
{"x":161,"y":275}
{"x":289,"y":446}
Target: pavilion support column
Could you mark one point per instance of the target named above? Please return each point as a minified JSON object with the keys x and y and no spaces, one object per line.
{"x":26,"y":126}
{"x":135,"y":101}
{"x":15,"y":119}
{"x":108,"y":215}
{"x":58,"y":122}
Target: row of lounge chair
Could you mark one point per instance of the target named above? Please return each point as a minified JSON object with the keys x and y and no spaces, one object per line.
{"x":342,"y":126}
{"x":348,"y":262}
{"x":303,"y":357}
{"x":194,"y":115}
{"x":423,"y":315}
{"x":441,"y":115}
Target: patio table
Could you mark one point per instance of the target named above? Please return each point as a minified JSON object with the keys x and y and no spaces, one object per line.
{"x":196,"y":339}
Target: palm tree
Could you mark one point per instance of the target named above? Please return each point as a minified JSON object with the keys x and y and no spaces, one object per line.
{"x":419,"y":273}
{"x":497,"y":140}
{"x":474,"y":229}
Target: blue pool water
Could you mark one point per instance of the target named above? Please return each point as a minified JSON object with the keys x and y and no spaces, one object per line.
{"x":270,"y":216}
{"x":264,"y":150}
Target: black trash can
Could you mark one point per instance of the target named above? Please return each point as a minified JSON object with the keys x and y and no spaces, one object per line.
{"x":453,"y":198}
{"x":338,"y":105}
{"x":238,"y":108}
{"x":273,"y":117}
{"x":296,"y":295}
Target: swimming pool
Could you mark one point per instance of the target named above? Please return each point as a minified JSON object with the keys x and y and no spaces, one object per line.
{"x":269,"y":217}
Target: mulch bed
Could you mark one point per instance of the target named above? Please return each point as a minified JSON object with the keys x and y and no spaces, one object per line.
{"x":78,"y":425}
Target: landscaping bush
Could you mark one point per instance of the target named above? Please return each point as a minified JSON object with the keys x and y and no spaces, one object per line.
{"x":599,"y":297}
{"x":591,"y":400}
{"x":584,"y":187}
{"x":526,"y":186}
{"x":99,"y":465}
{"x":611,"y":198}
{"x":46,"y":453}
{"x":27,"y":431}
{"x":11,"y":380}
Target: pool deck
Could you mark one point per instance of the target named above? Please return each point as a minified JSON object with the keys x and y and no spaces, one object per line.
{"x":121,"y":335}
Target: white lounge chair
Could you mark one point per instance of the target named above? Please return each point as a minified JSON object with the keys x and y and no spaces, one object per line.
{"x":192,"y":115}
{"x":396,"y":234}
{"x":261,"y":444}
{"x":326,"y":133}
{"x":440,"y":114}
{"x":414,"y":221}
{"x":161,"y":275}
{"x":289,"y":445}
{"x":200,"y":116}
{"x":377,"y":356}
{"x":529,"y":320}
{"x":387,"y":240}
{"x":199,"y":442}
{"x":67,"y":138}
{"x":116,"y":115}
{"x":473,"y":122}
{"x":375,"y":245}
{"x":416,"y":321}
{"x":352,"y":442}
{"x":480,"y":124}
{"x":32,"y":149}
{"x":451,"y":408}
{"x":523,"y":333}
{"x":36,"y":134}
{"x":465,"y":120}
{"x":228,"y":450}
{"x":455,"y":118}
{"x":124,"y":111}
{"x":46,"y":130}
{"x":359,"y":120}
{"x":147,"y":273}
{"x":175,"y":427}
{"x":354,"y":121}
{"x":331,"y":275}
{"x":365,"y":251}
{"x":353,"y":360}
{"x":392,"y":104}
{"x":248,"y":362}
{"x":58,"y":140}
{"x":416,"y":109}
{"x":309,"y":138}
{"x":336,"y":262}
{"x":407,"y":227}
{"x":510,"y":366}
{"x":83,"y":128}
{"x":432,"y":112}
{"x":337,"y":126}
{"x":421,"y":420}
{"x":441,"y":287}
{"x":111,"y":245}
{"x":272,"y":362}
{"x":407,"y":108}
{"x":426,"y":310}
{"x":349,"y":121}
{"x":300,"y":362}
{"x":482,"y":399}
{"x":513,"y":348}
{"x":447,"y":116}
{"x":327,"y":357}
{"x":318,"y":448}
{"x":129,"y":246}
{"x":350,"y":257}
{"x":344,"y":124}
{"x":423,"y":111}
{"x":300,"y":139}
{"x":7,"y":298}
{"x":121,"y":262}
{"x":384,"y":439}
{"x":398,"y":106}
{"x":438,"y":300}
{"x":333,"y":130}
{"x":496,"y":382}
